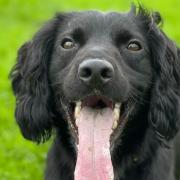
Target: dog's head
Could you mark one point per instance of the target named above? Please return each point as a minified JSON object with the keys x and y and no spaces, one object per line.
{"x":120,"y":61}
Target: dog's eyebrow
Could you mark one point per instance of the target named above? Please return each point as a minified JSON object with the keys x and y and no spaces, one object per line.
{"x":77,"y":31}
{"x":79,"y":34}
{"x":121,"y":35}
{"x":124,"y":35}
{"x":73,"y":32}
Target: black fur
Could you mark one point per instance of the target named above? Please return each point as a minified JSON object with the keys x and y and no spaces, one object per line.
{"x":45,"y":83}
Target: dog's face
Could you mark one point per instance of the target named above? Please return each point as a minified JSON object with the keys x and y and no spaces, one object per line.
{"x":104,"y":59}
{"x":101,"y":54}
{"x":121,"y":65}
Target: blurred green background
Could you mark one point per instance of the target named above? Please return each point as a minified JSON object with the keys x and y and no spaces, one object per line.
{"x":19,"y":20}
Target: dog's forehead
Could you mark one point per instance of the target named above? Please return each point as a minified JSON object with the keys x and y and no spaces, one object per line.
{"x":94,"y":20}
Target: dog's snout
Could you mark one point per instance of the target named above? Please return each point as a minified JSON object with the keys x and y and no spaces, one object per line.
{"x":95,"y":71}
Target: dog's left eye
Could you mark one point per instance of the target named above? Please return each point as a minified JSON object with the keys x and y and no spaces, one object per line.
{"x":68,"y":44}
{"x":134,"y":46}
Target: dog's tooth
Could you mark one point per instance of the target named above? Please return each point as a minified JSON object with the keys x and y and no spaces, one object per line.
{"x":116,"y":114}
{"x":78,"y":103}
{"x":117,"y":111}
{"x":115,"y":123}
{"x":77,"y":109}
{"x":117,"y":105}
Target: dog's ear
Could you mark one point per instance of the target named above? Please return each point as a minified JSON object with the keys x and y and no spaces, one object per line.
{"x":164,"y":115}
{"x":30,"y":84}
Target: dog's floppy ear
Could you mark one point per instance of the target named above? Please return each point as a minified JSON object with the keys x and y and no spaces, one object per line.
{"x":164,"y":116}
{"x":164,"y":113}
{"x":30,"y":84}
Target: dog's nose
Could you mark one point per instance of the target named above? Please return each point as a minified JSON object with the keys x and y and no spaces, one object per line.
{"x":95,"y":71}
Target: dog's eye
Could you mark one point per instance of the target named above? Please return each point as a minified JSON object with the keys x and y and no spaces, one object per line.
{"x":134,"y":46}
{"x":67,"y":44}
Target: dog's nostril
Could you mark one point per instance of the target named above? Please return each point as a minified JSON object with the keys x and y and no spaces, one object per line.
{"x":107,"y":73}
{"x":85,"y":72}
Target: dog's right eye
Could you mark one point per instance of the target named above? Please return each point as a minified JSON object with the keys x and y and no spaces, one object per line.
{"x":134,"y":46}
{"x":67,"y":43}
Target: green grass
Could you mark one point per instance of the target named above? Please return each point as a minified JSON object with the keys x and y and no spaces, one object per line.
{"x":19,"y":19}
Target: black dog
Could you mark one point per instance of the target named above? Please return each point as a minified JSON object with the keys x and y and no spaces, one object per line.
{"x":104,"y":62}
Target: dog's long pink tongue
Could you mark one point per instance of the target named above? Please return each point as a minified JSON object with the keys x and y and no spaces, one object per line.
{"x":94,"y":159}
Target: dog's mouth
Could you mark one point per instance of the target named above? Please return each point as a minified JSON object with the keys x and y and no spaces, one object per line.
{"x":96,"y":104}
{"x":94,"y":121}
